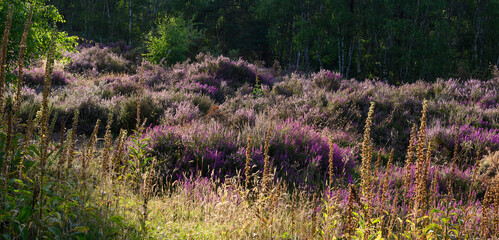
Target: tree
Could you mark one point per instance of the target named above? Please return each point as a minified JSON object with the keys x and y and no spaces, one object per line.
{"x":45,"y":17}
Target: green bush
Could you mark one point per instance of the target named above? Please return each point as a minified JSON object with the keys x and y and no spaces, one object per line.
{"x":169,"y":43}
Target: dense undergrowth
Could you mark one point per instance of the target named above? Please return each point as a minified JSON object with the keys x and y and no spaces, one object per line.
{"x":221,"y":148}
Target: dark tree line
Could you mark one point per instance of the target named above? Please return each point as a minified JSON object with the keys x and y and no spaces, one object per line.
{"x":394,"y":40}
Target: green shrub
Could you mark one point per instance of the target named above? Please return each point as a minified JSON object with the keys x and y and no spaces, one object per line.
{"x":169,"y":43}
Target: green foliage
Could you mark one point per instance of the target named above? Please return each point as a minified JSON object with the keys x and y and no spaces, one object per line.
{"x":45,"y":18}
{"x":169,"y":43}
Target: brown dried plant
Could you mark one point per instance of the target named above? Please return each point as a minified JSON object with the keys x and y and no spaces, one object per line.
{"x":89,"y":151}
{"x":44,"y":117}
{"x":248,"y":162}
{"x":108,"y":141}
{"x":386,"y":181}
{"x":20,"y":63}
{"x":331,"y":155}
{"x":3,"y":56}
{"x":420,"y":165}
{"x":266,"y":164}
{"x":366,"y":153}
{"x":410,"y":158}
{"x":70,"y":153}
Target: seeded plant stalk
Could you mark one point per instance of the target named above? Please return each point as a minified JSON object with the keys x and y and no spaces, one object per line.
{"x":72,"y":142}
{"x":366,"y":149}
{"x":377,"y":166}
{"x":89,"y":151}
{"x":3,"y":56}
{"x":420,"y":165}
{"x":108,"y":138}
{"x":450,"y":190}
{"x":6,"y":159}
{"x":473,"y":178}
{"x":350,"y":224}
{"x":248,"y":162}
{"x":331,"y":155}
{"x":266,"y":166}
{"x":139,"y":99}
{"x":386,"y":181}
{"x":20,"y":63}
{"x":409,"y":160}
{"x":27,"y":138}
{"x":433,"y":191}
{"x":119,"y":150}
{"x":366,"y":167}
{"x":44,"y":121}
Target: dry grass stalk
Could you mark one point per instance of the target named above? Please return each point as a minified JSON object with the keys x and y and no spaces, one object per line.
{"x":72,"y":141}
{"x":450,"y":190}
{"x":393,"y":215}
{"x":377,"y":166}
{"x":434,"y":190}
{"x":147,"y":187}
{"x":108,"y":141}
{"x":89,"y":151}
{"x":386,"y":181}
{"x":266,"y":164}
{"x":3,"y":56}
{"x":119,"y":150}
{"x":473,"y":178}
{"x":424,"y":179}
{"x":248,"y":162}
{"x":6,"y":159}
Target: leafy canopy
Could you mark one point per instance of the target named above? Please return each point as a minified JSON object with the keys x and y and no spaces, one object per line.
{"x":44,"y":20}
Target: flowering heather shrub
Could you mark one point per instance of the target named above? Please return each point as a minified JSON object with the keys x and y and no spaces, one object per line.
{"x":215,"y":77}
{"x":181,"y":113}
{"x":289,"y":87}
{"x":35,"y":77}
{"x":96,"y":59}
{"x":242,"y":117}
{"x":302,"y":153}
{"x":149,"y":109}
{"x":327,"y":79}
{"x":235,"y":73}
{"x":218,"y":80}
{"x":299,"y":153}
{"x":153,"y":74}
{"x":470,"y":139}
{"x":121,"y":85}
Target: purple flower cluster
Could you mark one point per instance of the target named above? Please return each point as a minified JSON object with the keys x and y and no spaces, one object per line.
{"x":96,"y":60}
{"x":327,"y":79}
{"x":36,"y":76}
{"x":299,"y":153}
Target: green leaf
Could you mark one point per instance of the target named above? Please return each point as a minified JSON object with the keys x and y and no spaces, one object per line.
{"x":25,"y":212}
{"x":81,"y":229}
{"x":432,"y":226}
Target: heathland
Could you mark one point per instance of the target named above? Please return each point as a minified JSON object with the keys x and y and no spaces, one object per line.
{"x":99,"y":143}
